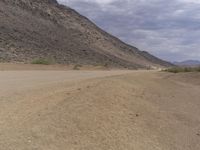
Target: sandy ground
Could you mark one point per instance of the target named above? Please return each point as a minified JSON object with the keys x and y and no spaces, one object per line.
{"x":99,"y":110}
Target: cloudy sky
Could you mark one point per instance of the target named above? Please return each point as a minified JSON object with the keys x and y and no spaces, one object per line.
{"x":169,"y":29}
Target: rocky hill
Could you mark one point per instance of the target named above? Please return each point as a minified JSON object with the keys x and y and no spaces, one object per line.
{"x":31,"y":29}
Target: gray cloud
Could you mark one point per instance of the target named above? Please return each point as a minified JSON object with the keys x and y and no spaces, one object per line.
{"x":168,"y":29}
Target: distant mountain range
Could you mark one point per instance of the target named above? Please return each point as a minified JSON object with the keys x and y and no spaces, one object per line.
{"x":188,"y":63}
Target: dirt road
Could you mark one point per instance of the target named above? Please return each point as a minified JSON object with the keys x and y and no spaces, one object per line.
{"x":99,"y":110}
{"x":16,"y":81}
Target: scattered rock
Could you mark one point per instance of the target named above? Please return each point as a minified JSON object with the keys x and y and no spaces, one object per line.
{"x":137,"y":115}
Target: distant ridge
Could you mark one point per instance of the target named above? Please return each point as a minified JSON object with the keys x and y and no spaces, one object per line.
{"x":188,"y":63}
{"x":33,"y":29}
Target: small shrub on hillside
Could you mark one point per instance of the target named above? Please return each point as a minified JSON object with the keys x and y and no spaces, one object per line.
{"x":105,"y":65}
{"x":198,"y":69}
{"x":41,"y":61}
{"x":77,"y":67}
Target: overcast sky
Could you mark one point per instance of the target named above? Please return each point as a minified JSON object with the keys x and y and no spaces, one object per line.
{"x":169,"y":29}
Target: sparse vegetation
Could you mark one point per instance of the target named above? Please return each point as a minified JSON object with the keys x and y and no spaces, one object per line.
{"x":41,"y":61}
{"x":105,"y":65}
{"x":1,"y":60}
{"x":183,"y":69}
{"x":77,"y":67}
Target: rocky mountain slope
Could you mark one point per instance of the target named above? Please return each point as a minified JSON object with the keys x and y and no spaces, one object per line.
{"x":31,"y":29}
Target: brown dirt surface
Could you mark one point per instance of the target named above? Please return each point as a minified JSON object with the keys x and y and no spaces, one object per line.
{"x":99,"y":110}
{"x":22,"y":66}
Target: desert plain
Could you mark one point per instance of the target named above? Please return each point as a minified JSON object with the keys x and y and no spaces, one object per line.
{"x":64,"y":109}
